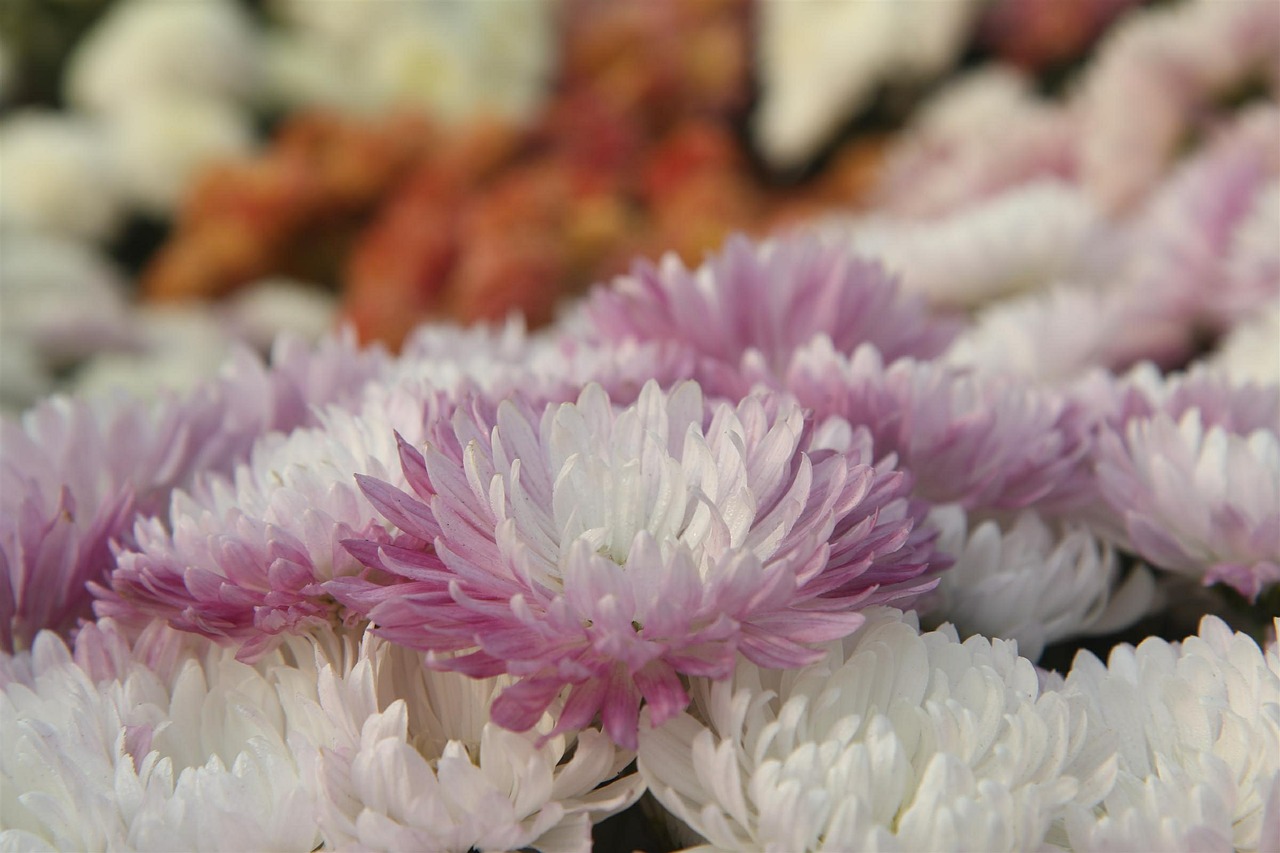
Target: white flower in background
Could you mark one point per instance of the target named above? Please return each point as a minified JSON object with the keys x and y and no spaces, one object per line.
{"x":158,"y":144}
{"x":1059,"y":335}
{"x":458,"y":60}
{"x":414,"y":764}
{"x":1032,"y":583}
{"x":983,"y":134}
{"x":24,"y":378}
{"x":170,"y":745}
{"x":177,"y":346}
{"x":897,"y":741}
{"x":172,"y":348}
{"x":299,"y":70}
{"x":1024,"y":239}
{"x":1198,"y":727}
{"x":144,"y":48}
{"x":263,"y":311}
{"x":1251,"y":351}
{"x":60,"y":301}
{"x":820,"y":63}
{"x":56,"y":176}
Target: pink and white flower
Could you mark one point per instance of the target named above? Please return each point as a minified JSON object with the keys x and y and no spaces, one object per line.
{"x":985,"y":442}
{"x":771,"y":299}
{"x":1196,"y":498}
{"x":612,"y":550}
{"x":75,"y":475}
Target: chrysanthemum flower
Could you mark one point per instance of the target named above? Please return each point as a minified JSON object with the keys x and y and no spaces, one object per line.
{"x":1253,"y":259}
{"x":1196,"y":481}
{"x":1021,"y":240}
{"x":75,"y":474}
{"x":770,"y":298}
{"x":1059,"y":335}
{"x":1031,"y":582}
{"x":1197,"y":500}
{"x":549,"y":366}
{"x":413,"y":763}
{"x":613,"y":550}
{"x":1186,"y":246}
{"x":895,"y":741}
{"x":162,"y":746}
{"x":245,"y":557}
{"x":1156,"y":76}
{"x":985,"y":442}
{"x":1199,"y":743}
{"x":979,"y":136}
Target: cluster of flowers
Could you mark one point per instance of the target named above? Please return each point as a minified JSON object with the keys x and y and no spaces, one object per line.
{"x":596,"y":132}
{"x":444,"y":600}
{"x":777,"y":539}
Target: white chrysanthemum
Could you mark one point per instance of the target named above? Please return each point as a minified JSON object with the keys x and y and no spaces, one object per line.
{"x":60,"y":301}
{"x":897,"y":741}
{"x":414,"y":764}
{"x":820,"y":64}
{"x":274,"y":306}
{"x":171,"y":348}
{"x":1022,"y":240}
{"x":167,"y":746}
{"x":56,"y":176}
{"x":458,"y":60}
{"x":1251,"y":351}
{"x":1199,"y":743}
{"x":143,"y":48}
{"x":1032,"y":584}
{"x":1053,"y":336}
{"x":158,"y":144}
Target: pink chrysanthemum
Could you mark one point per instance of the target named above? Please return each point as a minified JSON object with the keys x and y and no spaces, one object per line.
{"x":1193,"y":259}
{"x":984,"y":442}
{"x":75,"y":475}
{"x":613,"y":550}
{"x":770,"y":298}
{"x":1155,"y":80}
{"x":245,"y":557}
{"x":1196,"y":479}
{"x":980,"y":136}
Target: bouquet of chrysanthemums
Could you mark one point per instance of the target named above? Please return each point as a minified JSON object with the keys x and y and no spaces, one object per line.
{"x":955,"y":525}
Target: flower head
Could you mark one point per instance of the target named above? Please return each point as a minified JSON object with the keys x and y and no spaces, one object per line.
{"x":244,"y":557}
{"x":613,"y":549}
{"x":770,"y":298}
{"x":1199,"y":743}
{"x":413,"y":763}
{"x":985,"y":442}
{"x":1031,"y":582}
{"x":894,"y":741}
{"x":75,"y":475}
{"x":160,"y":745}
{"x":1197,"y":499}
